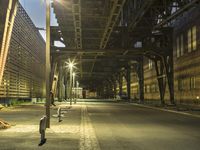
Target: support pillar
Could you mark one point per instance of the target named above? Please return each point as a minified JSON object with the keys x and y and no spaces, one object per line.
{"x":120,"y":84}
{"x":128,"y":81}
{"x":60,"y":75}
{"x":161,"y":79}
{"x":115,"y":89}
{"x":168,"y":62}
{"x":140,"y":73}
{"x":65,"y":84}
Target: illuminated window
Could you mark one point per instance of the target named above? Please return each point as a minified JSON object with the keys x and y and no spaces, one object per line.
{"x":192,"y":40}
{"x":189,"y":40}
{"x":177,"y":47}
{"x":148,"y":89}
{"x":150,"y":64}
{"x":186,"y":84}
{"x":153,"y":87}
{"x":181,"y":46}
{"x":192,"y":83}
{"x":138,"y":44}
{"x":180,"y":84}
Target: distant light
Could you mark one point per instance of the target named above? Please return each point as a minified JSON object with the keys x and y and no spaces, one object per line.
{"x":74,"y":74}
{"x":122,"y":68}
{"x":197,"y":97}
{"x":57,"y":50}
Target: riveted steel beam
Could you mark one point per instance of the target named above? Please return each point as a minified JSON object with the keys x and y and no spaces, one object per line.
{"x":114,"y":15}
{"x":76,"y":11}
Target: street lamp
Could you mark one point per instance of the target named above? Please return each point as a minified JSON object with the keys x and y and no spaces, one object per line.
{"x":70,"y":65}
{"x":77,"y":91}
{"x":73,"y":83}
{"x":70,"y":82}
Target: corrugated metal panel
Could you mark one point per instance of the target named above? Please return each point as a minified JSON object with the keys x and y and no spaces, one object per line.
{"x":24,"y":75}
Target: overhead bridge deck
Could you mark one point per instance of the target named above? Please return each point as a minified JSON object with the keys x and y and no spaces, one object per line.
{"x":112,"y":74}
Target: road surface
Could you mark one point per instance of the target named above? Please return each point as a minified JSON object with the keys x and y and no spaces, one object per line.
{"x":101,"y":125}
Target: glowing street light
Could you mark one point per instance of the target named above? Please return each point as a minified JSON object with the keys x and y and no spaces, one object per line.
{"x":77,"y":92}
{"x":70,"y":65}
{"x":73,"y":84}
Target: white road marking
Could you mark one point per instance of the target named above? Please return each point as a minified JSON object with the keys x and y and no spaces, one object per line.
{"x":88,"y":139}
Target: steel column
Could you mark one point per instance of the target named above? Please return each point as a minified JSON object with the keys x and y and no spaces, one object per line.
{"x":161,"y":78}
{"x":65,"y":83}
{"x":168,"y":62}
{"x":120,"y":84}
{"x":48,"y":68}
{"x":115,"y":89}
{"x":140,"y":73}
{"x":128,"y":81}
{"x":60,"y":80}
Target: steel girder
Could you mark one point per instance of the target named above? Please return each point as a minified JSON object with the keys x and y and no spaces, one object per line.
{"x":131,"y":22}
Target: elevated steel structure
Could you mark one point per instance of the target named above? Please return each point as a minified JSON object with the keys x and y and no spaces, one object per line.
{"x":110,"y":30}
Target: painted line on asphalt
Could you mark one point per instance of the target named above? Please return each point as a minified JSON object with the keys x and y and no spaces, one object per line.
{"x":167,"y":110}
{"x":88,"y":139}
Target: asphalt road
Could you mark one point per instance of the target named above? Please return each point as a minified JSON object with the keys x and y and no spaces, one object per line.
{"x":106,"y":125}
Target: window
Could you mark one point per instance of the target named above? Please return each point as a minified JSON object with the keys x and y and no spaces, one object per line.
{"x":177,"y":48}
{"x":181,"y":46}
{"x":148,"y":89}
{"x":153,"y":88}
{"x":150,"y":64}
{"x":189,"y":40}
{"x":180,"y":84}
{"x":138,"y":44}
{"x":184,"y":84}
{"x":192,"y":40}
{"x":192,"y":83}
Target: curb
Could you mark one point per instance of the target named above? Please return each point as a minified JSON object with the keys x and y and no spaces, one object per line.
{"x":167,"y":110}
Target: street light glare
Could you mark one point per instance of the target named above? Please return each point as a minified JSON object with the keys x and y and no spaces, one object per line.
{"x":71,"y":65}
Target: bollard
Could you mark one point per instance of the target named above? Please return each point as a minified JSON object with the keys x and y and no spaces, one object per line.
{"x":42,"y":130}
{"x":59,"y":114}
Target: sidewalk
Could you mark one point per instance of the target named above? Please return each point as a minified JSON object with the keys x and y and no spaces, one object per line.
{"x":190,"y":110}
{"x":24,"y":131}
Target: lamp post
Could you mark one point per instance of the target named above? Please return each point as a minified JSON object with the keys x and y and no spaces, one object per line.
{"x":70,"y":65}
{"x":48,"y":63}
{"x":77,"y":91}
{"x":73,"y":83}
{"x":70,"y":81}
